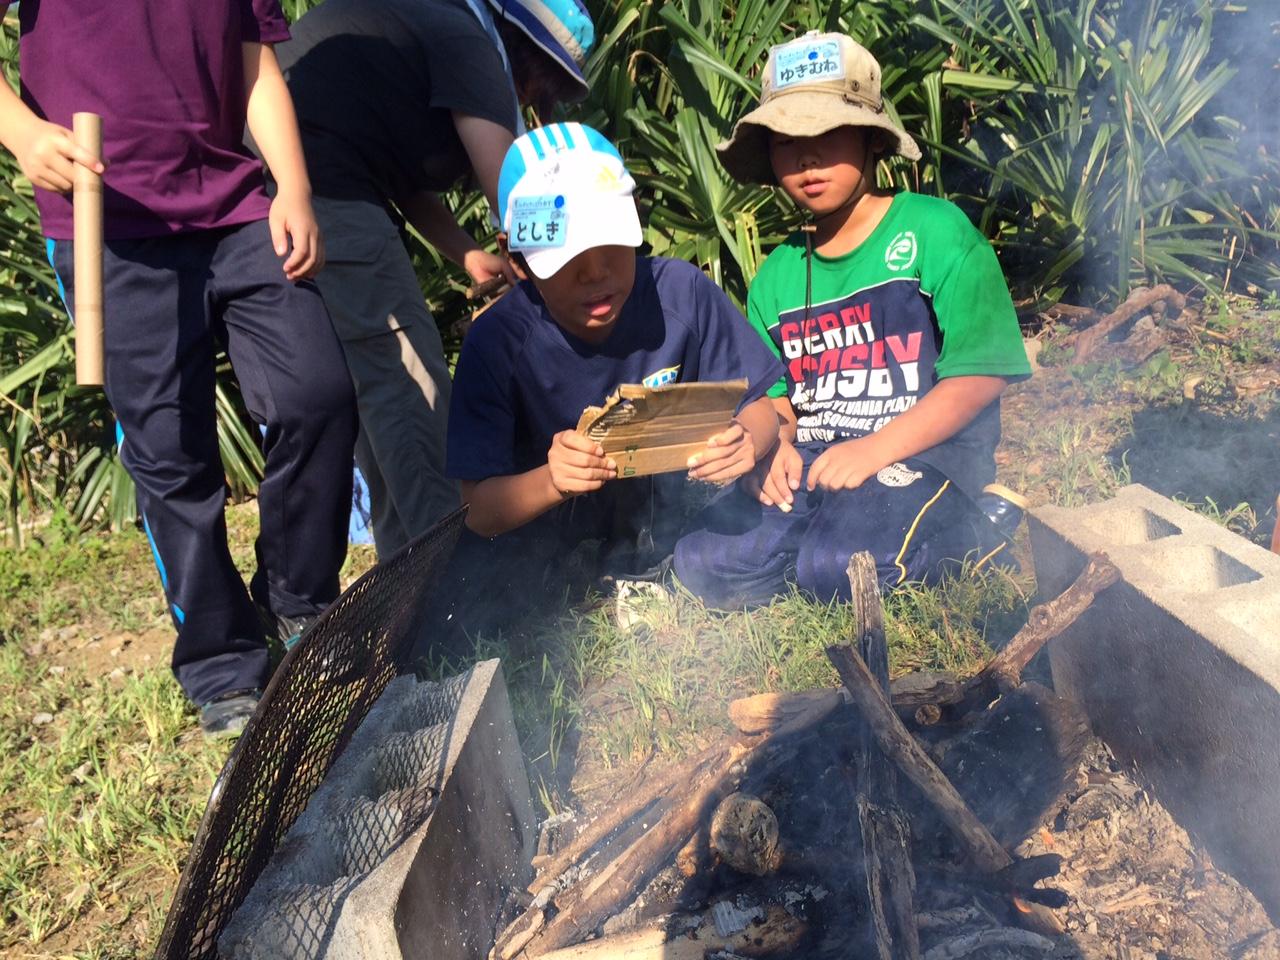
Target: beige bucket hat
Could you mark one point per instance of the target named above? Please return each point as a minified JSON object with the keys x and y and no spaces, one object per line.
{"x":813,"y":84}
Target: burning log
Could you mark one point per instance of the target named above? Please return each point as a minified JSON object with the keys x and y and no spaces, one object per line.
{"x":1047,"y":621}
{"x":588,"y":906}
{"x":1139,"y":300}
{"x":909,"y":757}
{"x":769,"y":712}
{"x":885,"y":830}
{"x":776,"y":932}
{"x":955,"y":698}
{"x":607,"y":824}
{"x":744,"y":832}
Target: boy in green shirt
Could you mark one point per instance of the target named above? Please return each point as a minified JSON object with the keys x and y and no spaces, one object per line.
{"x":893,"y":320}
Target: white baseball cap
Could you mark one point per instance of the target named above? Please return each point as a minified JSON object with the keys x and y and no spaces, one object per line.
{"x":563,"y":189}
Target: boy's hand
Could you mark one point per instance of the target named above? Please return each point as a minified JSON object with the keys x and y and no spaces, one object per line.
{"x":578,"y":464}
{"x":293,"y":222}
{"x":48,"y":155}
{"x":777,"y":477}
{"x":481,"y":265}
{"x":846,"y":465}
{"x":729,"y":455}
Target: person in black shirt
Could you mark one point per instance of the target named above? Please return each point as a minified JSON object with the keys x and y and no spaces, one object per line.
{"x":397,"y":101}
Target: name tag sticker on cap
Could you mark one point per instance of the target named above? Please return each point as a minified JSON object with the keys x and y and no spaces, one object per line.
{"x":537,"y":223}
{"x":807,"y":61}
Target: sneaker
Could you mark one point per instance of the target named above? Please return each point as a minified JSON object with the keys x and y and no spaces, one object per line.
{"x":289,"y":630}
{"x":225,"y":716}
{"x":286,"y":631}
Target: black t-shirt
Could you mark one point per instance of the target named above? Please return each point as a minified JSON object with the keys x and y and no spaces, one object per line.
{"x":374,"y":83}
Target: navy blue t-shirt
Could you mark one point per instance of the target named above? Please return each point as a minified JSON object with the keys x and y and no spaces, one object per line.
{"x":521,"y":378}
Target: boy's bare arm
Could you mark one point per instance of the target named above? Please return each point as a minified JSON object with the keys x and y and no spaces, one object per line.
{"x":575,"y":465}
{"x":269,"y":111}
{"x":438,"y":226}
{"x":942,"y":413}
{"x":45,"y":151}
{"x":777,"y":475}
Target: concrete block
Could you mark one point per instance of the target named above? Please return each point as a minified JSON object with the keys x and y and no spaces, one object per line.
{"x":410,"y":844}
{"x":1178,"y":666}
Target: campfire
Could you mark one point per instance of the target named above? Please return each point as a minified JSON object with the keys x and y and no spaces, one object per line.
{"x":876,"y":821}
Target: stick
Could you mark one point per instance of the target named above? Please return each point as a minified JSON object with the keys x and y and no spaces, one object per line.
{"x":909,"y":757}
{"x":487,"y":288}
{"x":619,"y":882}
{"x":86,"y":129}
{"x":1004,"y":671}
{"x":1047,"y":621}
{"x":692,"y":939}
{"x":606,"y":824}
{"x":1139,"y":300}
{"x":885,"y":830}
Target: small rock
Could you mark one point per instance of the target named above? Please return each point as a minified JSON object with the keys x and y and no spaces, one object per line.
{"x":117,"y":674}
{"x":47,"y":634}
{"x":40,"y":719}
{"x":115,"y":651}
{"x":35,"y":649}
{"x":66,"y":633}
{"x":146,"y":658}
{"x":57,"y":670}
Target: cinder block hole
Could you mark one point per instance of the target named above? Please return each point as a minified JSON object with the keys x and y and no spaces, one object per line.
{"x":1131,"y":525}
{"x":1199,"y":568}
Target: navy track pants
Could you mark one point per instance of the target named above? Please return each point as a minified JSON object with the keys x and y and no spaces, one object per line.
{"x":915,"y":522}
{"x":169,"y":303}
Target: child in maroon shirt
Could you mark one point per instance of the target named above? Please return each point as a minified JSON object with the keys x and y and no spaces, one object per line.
{"x":197,"y":257}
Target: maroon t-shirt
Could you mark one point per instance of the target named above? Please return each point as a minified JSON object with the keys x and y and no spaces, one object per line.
{"x":167,"y":76}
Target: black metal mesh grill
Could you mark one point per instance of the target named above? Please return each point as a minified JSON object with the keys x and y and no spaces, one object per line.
{"x":316,"y":699}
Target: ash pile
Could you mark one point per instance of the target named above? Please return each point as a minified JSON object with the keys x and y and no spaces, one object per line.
{"x":934,"y":818}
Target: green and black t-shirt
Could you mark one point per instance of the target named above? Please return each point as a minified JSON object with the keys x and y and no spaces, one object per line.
{"x":922,"y":298}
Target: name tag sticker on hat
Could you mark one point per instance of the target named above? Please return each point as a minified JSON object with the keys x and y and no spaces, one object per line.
{"x":537,"y":223}
{"x":807,"y":61}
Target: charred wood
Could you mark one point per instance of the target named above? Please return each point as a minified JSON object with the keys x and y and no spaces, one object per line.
{"x":694,"y":938}
{"x":744,"y":834}
{"x":607,"y":824}
{"x":885,"y":830}
{"x":909,"y":757}
{"x":1047,"y":621}
{"x":970,"y":943}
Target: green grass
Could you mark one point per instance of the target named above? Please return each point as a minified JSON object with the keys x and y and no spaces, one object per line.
{"x":98,"y":804}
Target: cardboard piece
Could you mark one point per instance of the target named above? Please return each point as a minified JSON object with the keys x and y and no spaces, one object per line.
{"x":649,"y":430}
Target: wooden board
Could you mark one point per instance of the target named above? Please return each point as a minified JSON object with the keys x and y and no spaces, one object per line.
{"x":649,"y":430}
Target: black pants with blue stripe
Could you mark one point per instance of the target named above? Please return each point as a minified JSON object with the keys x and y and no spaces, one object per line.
{"x":915,"y":522}
{"x":169,"y":303}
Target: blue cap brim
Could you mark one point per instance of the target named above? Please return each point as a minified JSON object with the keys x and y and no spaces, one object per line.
{"x":546,"y":41}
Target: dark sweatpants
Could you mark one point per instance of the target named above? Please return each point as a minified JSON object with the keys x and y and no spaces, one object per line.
{"x":915,"y":522}
{"x":170,"y":302}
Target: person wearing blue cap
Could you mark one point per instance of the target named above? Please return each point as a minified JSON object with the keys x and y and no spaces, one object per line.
{"x":398,"y":101}
{"x":591,"y":315}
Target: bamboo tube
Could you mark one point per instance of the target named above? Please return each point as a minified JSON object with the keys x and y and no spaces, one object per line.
{"x":86,"y":128}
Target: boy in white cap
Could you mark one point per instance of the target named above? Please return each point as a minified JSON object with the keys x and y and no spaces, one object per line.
{"x":399,"y":101}
{"x":894,"y":322}
{"x":593,"y":314}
